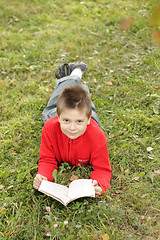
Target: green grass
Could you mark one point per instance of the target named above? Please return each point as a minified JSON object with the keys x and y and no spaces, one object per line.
{"x":36,"y":36}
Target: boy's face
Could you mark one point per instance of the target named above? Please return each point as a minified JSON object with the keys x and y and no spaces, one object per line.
{"x":73,"y":122}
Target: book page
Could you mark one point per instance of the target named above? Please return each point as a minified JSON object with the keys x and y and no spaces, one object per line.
{"x":81,"y":188}
{"x":54,"y":190}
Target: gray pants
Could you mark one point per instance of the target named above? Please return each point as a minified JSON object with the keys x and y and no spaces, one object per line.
{"x":69,"y":81}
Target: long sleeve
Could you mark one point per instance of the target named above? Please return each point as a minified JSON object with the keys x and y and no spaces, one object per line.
{"x":101,"y":168}
{"x":100,"y":159}
{"x":47,"y":160}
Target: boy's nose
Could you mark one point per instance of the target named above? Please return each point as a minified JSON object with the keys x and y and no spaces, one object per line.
{"x":72,"y":126}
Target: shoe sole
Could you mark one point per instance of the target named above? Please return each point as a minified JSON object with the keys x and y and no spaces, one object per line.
{"x":67,"y":68}
{"x":81,"y":65}
{"x":63,"y":71}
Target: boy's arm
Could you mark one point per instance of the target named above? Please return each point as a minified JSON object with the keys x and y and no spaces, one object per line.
{"x":47,"y":161}
{"x":101,"y":167}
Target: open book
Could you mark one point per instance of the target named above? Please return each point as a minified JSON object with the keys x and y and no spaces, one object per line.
{"x":77,"y":189}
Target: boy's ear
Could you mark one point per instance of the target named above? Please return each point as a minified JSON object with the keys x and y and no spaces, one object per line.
{"x":89,"y":120}
{"x":58,"y":117}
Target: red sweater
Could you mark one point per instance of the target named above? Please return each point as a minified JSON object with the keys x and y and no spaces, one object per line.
{"x":90,"y":148}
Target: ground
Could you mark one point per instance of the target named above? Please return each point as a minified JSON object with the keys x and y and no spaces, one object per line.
{"x":120,"y":41}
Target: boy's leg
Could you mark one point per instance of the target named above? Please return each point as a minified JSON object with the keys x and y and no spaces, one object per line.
{"x":51,"y":109}
{"x":74,"y":79}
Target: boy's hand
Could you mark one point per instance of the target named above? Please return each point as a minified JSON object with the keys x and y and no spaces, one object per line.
{"x":37,"y":181}
{"x":98,"y":189}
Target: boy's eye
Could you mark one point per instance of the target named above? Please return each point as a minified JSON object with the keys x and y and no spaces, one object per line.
{"x":66,"y":120}
{"x":79,"y":121}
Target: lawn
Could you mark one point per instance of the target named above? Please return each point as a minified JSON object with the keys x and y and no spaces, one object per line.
{"x":120,"y":41}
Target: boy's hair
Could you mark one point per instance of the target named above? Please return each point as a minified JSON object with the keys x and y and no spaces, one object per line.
{"x":74,"y":98}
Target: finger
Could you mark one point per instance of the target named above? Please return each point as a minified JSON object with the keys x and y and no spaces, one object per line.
{"x":37,"y":181}
{"x":44,"y":178}
{"x":39,"y":177}
{"x":98,"y":193}
{"x":36,"y":185}
{"x":95,"y":182}
{"x":98,"y":190}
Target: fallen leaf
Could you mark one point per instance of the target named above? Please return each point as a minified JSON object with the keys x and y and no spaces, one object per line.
{"x":136,"y":178}
{"x":142,"y":217}
{"x":129,"y":211}
{"x":39,"y":7}
{"x":126,"y":171}
{"x":20,"y":30}
{"x":109,"y":83}
{"x":149,"y":149}
{"x":105,"y":237}
{"x":7,"y":234}
{"x":2,"y":208}
{"x":16,"y":19}
{"x":155,"y":19}
{"x":119,"y":151}
{"x":117,"y":192}
{"x":157,"y":172}
{"x":14,"y":152}
{"x":31,"y":67}
{"x":126,"y":23}
{"x":16,"y":163}
{"x":12,"y":81}
{"x":1,"y":187}
{"x":73,"y":177}
{"x":42,"y":77}
{"x":10,"y":187}
{"x":156,"y":37}
{"x":48,"y":234}
{"x":111,"y":135}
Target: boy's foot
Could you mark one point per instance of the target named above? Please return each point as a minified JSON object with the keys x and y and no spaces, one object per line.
{"x":67,"y":68}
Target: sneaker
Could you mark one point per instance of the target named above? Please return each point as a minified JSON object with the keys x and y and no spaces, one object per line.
{"x":62,"y":71}
{"x":81,"y":65}
{"x":67,"y":68}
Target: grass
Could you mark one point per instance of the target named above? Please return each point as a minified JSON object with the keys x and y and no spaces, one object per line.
{"x":123,"y":77}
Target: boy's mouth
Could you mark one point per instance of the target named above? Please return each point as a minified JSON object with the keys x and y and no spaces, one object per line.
{"x":72,"y":133}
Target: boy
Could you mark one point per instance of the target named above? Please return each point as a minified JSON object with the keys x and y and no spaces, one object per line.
{"x":72,"y":132}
